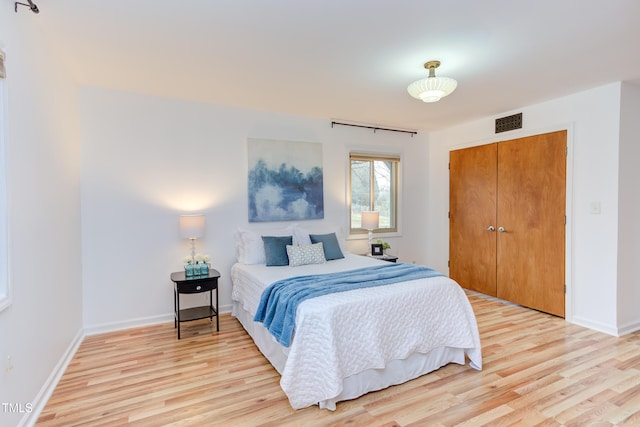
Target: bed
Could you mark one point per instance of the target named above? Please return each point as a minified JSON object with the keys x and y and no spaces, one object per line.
{"x":347,"y":344}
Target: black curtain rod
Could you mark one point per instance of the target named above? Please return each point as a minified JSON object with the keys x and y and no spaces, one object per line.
{"x":375,"y":128}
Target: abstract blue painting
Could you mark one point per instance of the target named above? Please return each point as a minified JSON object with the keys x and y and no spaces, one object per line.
{"x":285,"y":180}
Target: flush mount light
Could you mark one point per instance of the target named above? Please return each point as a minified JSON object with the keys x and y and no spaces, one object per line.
{"x":432,"y":88}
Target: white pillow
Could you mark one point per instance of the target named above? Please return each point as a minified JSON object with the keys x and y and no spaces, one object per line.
{"x":249,"y":245}
{"x":302,"y":235}
{"x":305,"y":254}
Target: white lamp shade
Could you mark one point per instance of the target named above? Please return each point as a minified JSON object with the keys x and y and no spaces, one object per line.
{"x":191,"y":226}
{"x":370,"y":220}
{"x":432,"y":89}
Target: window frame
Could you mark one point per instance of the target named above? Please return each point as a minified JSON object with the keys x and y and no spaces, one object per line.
{"x":5,"y":288}
{"x":395,"y":183}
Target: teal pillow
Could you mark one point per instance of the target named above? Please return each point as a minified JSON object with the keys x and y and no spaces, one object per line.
{"x":329,"y":243}
{"x":275,"y":249}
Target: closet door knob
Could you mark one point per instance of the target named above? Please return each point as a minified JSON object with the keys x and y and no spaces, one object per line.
{"x":491,"y":228}
{"x":501,"y":229}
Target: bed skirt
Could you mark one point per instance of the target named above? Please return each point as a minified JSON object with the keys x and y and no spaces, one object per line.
{"x":396,"y":371}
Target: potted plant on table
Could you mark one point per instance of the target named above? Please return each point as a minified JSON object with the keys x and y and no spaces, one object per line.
{"x":384,"y":244}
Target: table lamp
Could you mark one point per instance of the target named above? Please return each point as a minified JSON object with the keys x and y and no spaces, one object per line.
{"x":192,"y":228}
{"x":370,"y":221}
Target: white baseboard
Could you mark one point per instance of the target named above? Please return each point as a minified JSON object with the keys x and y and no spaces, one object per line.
{"x":596,"y":326}
{"x":49,"y":386}
{"x":127,"y":324}
{"x":629,"y":328}
{"x":581,"y":321}
{"x":136,"y":323}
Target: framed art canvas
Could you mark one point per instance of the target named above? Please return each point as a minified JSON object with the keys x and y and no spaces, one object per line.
{"x":285,"y":180}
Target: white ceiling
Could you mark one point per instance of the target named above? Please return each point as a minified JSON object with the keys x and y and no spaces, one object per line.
{"x":348,"y":59}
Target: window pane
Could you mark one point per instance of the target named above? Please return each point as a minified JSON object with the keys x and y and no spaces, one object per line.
{"x":374,"y":186}
{"x":360,"y":190}
{"x":383,"y":192}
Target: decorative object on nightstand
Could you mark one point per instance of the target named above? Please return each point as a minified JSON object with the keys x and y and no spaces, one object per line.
{"x":188,"y":266}
{"x":197,"y":265}
{"x":203,"y":260}
{"x":370,"y":221}
{"x":384,"y":244}
{"x":382,"y":255}
{"x":376,"y":249}
{"x":195,"y":285}
{"x":192,"y":228}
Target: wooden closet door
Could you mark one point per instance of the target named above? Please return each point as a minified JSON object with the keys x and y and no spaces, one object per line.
{"x":531,"y":209}
{"x":472,"y":210}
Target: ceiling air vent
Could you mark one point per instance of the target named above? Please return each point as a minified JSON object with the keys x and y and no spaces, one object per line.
{"x":509,"y":123}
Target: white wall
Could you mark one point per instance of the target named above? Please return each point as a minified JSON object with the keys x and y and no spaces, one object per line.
{"x":629,"y":211}
{"x":592,"y":118}
{"x":44,"y":321}
{"x":146,"y":160}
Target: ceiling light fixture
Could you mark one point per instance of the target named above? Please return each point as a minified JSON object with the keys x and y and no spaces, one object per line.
{"x":432,"y":88}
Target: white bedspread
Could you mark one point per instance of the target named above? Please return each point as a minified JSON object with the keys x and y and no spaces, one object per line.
{"x":342,"y":334}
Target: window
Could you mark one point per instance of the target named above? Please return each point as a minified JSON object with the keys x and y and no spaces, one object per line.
{"x":4,"y":277}
{"x":374,"y":187}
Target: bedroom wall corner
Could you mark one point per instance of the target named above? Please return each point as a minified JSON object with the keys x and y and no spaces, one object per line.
{"x":629,"y":211}
{"x":44,"y":321}
{"x":412,"y":246}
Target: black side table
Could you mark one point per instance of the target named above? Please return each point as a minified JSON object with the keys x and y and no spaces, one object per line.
{"x":390,"y":258}
{"x":195,"y":285}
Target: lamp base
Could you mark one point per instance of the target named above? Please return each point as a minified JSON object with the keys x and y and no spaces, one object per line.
{"x":193,"y":251}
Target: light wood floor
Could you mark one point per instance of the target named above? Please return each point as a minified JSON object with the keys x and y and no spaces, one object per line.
{"x":538,"y":370}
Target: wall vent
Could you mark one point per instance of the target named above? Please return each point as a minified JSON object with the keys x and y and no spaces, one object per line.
{"x":509,"y":123}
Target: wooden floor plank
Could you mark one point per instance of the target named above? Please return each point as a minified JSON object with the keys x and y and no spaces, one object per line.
{"x":537,"y":370}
